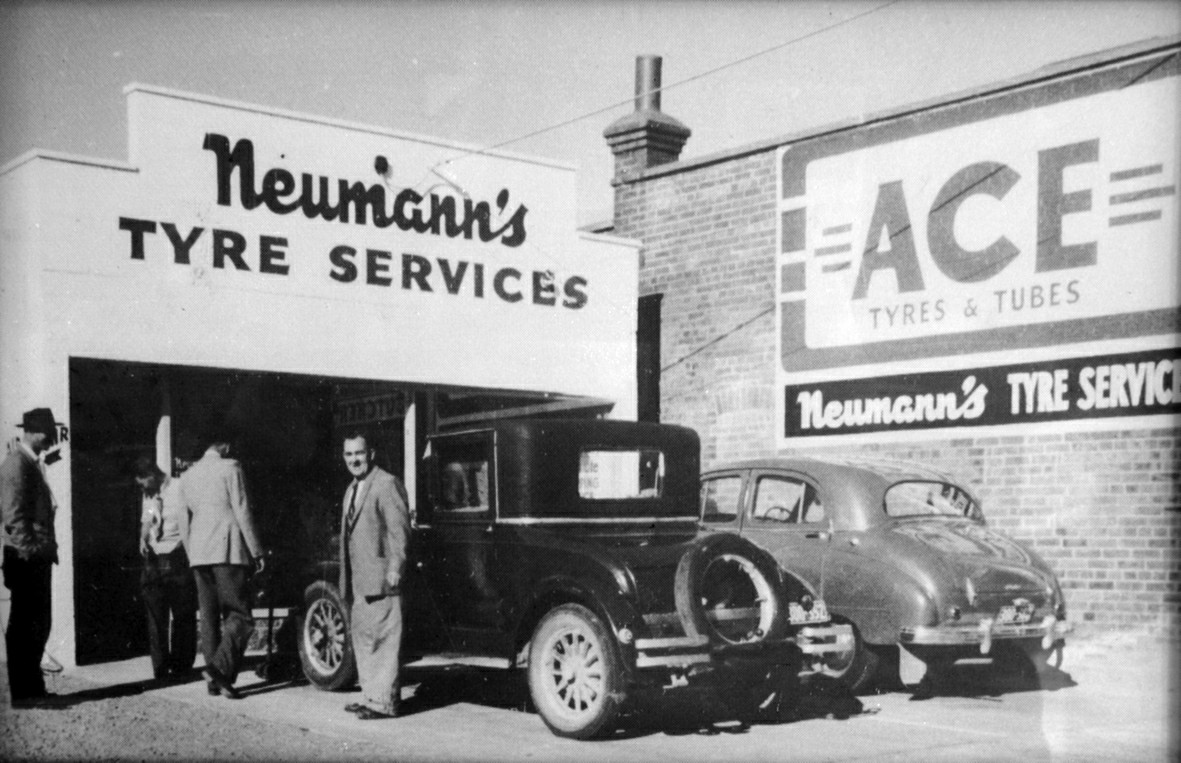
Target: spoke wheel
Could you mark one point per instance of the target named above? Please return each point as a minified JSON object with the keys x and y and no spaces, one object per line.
{"x":575,"y":678}
{"x":325,"y":649}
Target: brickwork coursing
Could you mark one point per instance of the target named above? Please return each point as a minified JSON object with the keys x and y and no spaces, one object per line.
{"x":1102,"y":507}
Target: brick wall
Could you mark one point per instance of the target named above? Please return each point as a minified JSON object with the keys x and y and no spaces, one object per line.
{"x":1102,"y":507}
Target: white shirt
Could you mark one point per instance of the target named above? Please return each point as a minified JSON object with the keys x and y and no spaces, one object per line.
{"x":162,"y":513}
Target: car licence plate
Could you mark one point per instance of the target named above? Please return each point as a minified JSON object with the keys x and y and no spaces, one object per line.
{"x":797,"y":614}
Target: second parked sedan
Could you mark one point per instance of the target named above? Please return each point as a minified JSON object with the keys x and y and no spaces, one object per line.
{"x":902,"y":553}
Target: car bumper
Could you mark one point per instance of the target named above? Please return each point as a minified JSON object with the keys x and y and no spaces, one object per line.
{"x":818,"y":644}
{"x":824,"y":644}
{"x":1050,"y":630}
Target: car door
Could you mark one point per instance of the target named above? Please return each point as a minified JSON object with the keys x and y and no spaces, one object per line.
{"x":458,"y":562}
{"x":784,"y":514}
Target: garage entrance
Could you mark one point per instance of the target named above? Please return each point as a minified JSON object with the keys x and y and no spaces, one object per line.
{"x":285,"y":428}
{"x":288,"y":430}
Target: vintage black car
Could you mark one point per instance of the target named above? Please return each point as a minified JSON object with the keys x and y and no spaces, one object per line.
{"x":901,"y":552}
{"x":571,"y":549}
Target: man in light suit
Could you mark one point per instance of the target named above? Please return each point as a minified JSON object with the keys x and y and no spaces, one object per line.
{"x":217,"y":529}
{"x":374,"y":536}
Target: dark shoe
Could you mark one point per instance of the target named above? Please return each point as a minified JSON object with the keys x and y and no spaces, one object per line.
{"x":366,"y":713}
{"x":216,"y":683}
{"x":353,"y":707}
{"x":45,"y":700}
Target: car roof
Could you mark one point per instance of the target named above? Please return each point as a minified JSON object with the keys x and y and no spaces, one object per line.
{"x":854,"y":487}
{"x":891,"y":470}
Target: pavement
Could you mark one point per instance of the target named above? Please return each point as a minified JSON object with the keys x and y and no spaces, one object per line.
{"x":1114,"y":697}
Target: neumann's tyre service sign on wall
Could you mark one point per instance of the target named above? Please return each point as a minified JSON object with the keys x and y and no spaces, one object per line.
{"x":1042,"y":219}
{"x":1129,"y":384}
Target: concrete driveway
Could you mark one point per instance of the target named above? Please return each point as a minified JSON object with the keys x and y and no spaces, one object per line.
{"x":1114,"y":698}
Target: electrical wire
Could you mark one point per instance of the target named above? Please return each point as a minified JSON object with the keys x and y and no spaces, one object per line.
{"x":610,"y":107}
{"x":718,"y":338}
{"x":679,"y":83}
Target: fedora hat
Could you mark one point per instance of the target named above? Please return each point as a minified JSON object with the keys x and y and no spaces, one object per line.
{"x":41,"y":420}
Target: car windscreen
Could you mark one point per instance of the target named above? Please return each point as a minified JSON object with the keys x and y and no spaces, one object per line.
{"x":612,"y":475}
{"x":924,"y":498}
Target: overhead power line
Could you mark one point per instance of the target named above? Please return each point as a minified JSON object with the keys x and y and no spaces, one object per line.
{"x":717,"y":339}
{"x":679,"y":83}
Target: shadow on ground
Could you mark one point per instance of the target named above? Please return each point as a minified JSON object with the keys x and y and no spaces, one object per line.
{"x":676,"y":712}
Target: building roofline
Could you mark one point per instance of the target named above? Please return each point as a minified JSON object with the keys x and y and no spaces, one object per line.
{"x":60,"y":156}
{"x":465,"y":149}
{"x":1154,"y":46}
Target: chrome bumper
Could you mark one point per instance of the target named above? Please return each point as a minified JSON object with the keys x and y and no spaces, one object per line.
{"x":817,"y":641}
{"x":673,"y":652}
{"x":1049,"y":630}
{"x":825,"y":640}
{"x":822,"y":643}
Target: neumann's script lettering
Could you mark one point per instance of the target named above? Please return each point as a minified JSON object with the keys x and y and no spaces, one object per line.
{"x":355,"y":202}
{"x":815,"y":413}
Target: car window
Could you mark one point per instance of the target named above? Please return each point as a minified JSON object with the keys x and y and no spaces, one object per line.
{"x":778,"y":499}
{"x":463,"y":486}
{"x":609,"y":475}
{"x":920,"y":498}
{"x":719,"y":498}
{"x":813,"y":507}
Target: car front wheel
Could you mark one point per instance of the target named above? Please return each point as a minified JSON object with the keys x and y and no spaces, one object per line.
{"x":325,"y":648}
{"x":575,"y":676}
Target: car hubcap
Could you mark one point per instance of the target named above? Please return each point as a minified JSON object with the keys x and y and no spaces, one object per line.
{"x":325,"y":635}
{"x":576,"y":670}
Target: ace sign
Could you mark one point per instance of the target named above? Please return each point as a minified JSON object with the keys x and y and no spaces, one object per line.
{"x":1061,"y":213}
{"x":1034,"y":216}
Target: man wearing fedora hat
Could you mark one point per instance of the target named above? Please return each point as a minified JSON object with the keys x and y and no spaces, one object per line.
{"x":30,"y":551}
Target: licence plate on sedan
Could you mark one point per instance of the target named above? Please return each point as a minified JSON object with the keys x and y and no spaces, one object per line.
{"x":1016,"y":614}
{"x":797,"y":614}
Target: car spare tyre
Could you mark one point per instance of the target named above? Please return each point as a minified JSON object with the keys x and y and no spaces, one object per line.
{"x":325,"y":647}
{"x":730,"y":591}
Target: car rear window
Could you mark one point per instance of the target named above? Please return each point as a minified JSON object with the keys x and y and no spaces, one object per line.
{"x":719,"y":498}
{"x":612,"y":475}
{"x":921,"y":498}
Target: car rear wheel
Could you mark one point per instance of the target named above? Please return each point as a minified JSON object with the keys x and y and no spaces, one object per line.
{"x":575,"y":676}
{"x":325,"y":648}
{"x":855,"y":669}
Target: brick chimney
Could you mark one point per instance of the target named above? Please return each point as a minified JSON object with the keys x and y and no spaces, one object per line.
{"x":647,"y":137}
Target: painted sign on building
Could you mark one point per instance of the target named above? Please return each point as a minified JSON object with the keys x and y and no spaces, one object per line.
{"x":1029,"y":219}
{"x":239,"y":236}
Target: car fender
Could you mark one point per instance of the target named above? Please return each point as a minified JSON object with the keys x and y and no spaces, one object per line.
{"x":599,"y":593}
{"x":880,"y":590}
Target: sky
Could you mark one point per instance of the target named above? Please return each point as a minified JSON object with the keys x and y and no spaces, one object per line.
{"x":543,"y":77}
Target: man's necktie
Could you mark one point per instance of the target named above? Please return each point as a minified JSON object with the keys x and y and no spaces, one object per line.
{"x":353,"y":503}
{"x":158,"y":519}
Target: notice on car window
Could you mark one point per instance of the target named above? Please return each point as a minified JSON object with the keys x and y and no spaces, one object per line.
{"x":605,"y":475}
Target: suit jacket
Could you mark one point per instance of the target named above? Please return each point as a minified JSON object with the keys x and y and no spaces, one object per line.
{"x":26,"y":508}
{"x":216,"y":524}
{"x":373,"y":546}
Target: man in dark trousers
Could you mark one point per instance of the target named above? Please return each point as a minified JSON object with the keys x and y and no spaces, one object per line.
{"x":30,"y":551}
{"x":375,"y":533}
{"x":169,"y":591}
{"x":217,"y":529}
